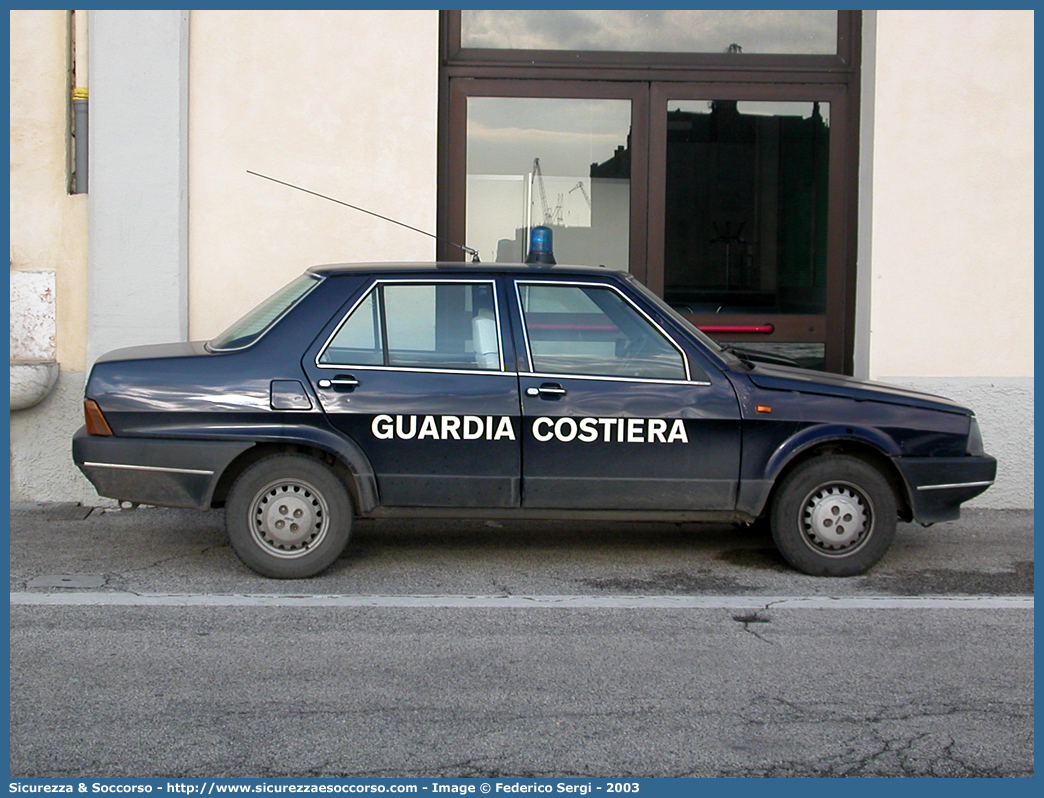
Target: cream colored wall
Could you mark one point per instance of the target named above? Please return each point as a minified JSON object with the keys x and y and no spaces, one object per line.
{"x":48,"y":225}
{"x":340,"y":102}
{"x":951,"y":290}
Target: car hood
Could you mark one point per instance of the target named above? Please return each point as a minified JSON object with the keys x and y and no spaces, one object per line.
{"x":822,"y":383}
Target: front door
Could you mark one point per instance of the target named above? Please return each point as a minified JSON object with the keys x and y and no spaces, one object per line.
{"x":415,"y":375}
{"x":615,"y":414}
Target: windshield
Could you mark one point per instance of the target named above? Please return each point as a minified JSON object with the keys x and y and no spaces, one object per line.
{"x":257,"y":322}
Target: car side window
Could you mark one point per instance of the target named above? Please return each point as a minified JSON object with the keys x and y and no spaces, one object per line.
{"x":444,"y":325}
{"x":592,"y":330}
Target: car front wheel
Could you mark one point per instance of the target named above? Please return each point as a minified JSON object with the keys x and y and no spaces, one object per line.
{"x":833,"y":515}
{"x":288,"y":516}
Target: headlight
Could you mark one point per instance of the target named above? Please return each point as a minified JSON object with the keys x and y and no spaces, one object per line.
{"x":975,"y":447}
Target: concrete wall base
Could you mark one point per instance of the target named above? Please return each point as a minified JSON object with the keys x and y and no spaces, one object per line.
{"x":42,"y":468}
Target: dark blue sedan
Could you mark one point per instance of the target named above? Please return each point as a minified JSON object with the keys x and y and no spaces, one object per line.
{"x":511,"y":391}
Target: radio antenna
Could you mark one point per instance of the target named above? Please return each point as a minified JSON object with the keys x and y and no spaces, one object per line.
{"x":474,"y":253}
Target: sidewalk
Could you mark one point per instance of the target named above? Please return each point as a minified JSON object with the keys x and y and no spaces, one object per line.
{"x":986,"y":552}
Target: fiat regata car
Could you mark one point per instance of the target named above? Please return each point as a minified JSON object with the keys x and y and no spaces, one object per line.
{"x":511,"y":391}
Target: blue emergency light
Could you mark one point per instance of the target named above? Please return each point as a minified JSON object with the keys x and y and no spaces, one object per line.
{"x":540,"y":246}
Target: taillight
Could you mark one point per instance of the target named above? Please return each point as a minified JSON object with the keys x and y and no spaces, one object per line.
{"x":96,"y":423}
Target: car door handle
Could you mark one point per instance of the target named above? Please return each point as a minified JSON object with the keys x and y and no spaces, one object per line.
{"x":341,"y":382}
{"x":548,"y":390}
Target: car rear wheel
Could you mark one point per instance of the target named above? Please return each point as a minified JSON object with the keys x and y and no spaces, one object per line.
{"x":288,"y":516}
{"x":834,"y":515}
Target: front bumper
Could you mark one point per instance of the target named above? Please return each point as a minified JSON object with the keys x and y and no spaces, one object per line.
{"x":167,"y":473}
{"x":937,"y":486}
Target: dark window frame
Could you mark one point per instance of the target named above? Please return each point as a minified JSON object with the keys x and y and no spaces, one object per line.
{"x":466,"y":72}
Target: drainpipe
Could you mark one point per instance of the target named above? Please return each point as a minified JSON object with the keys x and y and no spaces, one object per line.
{"x":34,"y":369}
{"x":79,"y":102}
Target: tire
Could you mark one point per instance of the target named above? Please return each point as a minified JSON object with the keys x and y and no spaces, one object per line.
{"x":833,"y":515}
{"x":288,"y":516}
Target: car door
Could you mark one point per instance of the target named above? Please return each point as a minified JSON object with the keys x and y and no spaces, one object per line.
{"x":415,"y":374}
{"x":616,"y":415}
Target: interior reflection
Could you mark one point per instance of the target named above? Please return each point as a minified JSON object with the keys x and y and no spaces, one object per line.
{"x":746,"y":207}
{"x":560,"y":163}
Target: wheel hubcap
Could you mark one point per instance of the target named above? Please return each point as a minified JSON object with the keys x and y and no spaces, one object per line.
{"x":288,"y":518}
{"x":836,"y":519}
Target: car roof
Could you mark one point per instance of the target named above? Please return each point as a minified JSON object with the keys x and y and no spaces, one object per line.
{"x":332,"y":269}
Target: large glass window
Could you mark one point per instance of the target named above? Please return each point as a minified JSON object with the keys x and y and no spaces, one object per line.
{"x":746,"y":206}
{"x":669,"y":31}
{"x":561,"y":163}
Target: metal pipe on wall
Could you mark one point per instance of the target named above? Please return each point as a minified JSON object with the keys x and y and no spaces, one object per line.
{"x":81,"y":127}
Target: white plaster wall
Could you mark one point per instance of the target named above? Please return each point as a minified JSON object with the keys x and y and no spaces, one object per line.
{"x":952,"y":193}
{"x":340,"y":102}
{"x":946,"y":242}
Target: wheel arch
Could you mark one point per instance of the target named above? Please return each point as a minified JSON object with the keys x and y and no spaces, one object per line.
{"x":346,"y":460}
{"x":872,"y":447}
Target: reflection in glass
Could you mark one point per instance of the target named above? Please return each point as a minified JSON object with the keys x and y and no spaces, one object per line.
{"x":445,"y":326}
{"x":806,"y":356}
{"x":359,"y":341}
{"x":442,"y":326}
{"x":746,"y":206}
{"x":257,"y":322}
{"x":562,"y":163}
{"x":670,"y":31}
{"x":588,"y":330}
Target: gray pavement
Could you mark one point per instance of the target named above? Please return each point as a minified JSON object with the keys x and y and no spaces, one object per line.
{"x":164,"y":550}
{"x":434,"y":690}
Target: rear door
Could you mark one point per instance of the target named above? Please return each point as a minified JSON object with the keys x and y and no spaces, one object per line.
{"x":415,"y":374}
{"x":616,"y":415}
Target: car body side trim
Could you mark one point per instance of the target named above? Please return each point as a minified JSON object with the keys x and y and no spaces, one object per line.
{"x":419,"y":370}
{"x":951,"y":485}
{"x":128,"y":467}
{"x":606,"y":378}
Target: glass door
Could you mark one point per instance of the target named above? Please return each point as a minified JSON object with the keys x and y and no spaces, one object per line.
{"x":735,"y":201}
{"x":745,"y":216}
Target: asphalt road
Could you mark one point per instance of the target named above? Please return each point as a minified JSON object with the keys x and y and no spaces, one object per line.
{"x":727,"y":681}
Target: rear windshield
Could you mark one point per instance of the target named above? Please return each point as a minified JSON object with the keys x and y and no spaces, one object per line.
{"x":257,"y":322}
